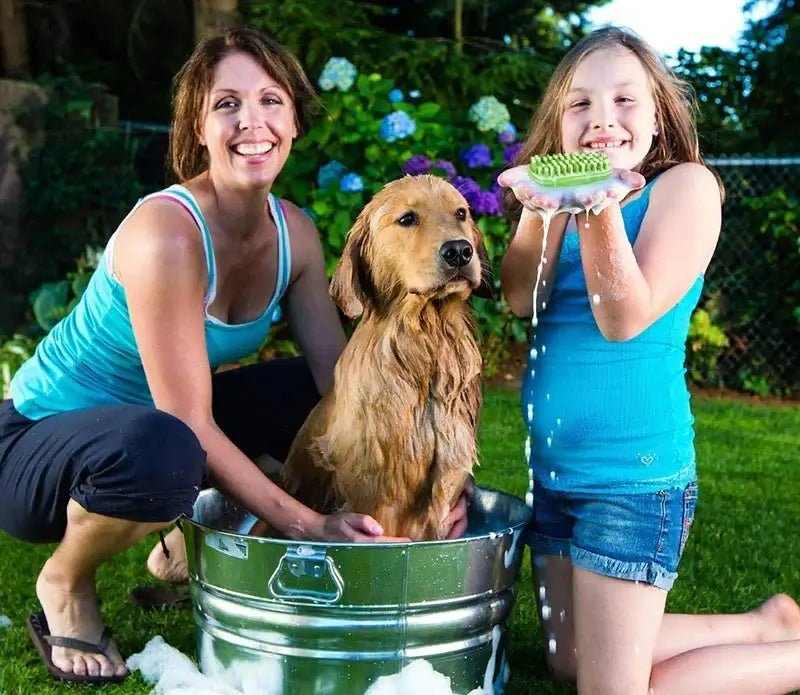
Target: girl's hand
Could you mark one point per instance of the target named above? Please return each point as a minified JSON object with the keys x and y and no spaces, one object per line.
{"x":573,"y":199}
{"x":456,"y":519}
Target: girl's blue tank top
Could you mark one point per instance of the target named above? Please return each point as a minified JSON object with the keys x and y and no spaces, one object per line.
{"x":90,"y":357}
{"x":603,"y":416}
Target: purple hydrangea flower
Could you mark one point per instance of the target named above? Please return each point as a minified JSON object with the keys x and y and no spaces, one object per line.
{"x":417,"y":164}
{"x":469,"y":188}
{"x":508,"y":134}
{"x":486,"y":203}
{"x":510,"y":153}
{"x":351,"y":182}
{"x":447,"y":167}
{"x":477,"y":156}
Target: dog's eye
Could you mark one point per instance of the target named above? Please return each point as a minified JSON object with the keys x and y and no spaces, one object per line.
{"x":461,"y":214}
{"x":408,"y":219}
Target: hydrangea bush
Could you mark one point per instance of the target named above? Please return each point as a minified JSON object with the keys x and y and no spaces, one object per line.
{"x":371,"y":131}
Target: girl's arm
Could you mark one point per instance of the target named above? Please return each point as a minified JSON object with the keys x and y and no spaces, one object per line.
{"x":637,"y":285}
{"x":519,"y":266}
{"x":160,"y":261}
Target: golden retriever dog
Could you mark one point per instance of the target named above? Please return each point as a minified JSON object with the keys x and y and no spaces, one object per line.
{"x":396,"y":437}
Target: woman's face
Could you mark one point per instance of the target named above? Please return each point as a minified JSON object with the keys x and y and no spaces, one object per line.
{"x":248,"y":123}
{"x":610,"y":108}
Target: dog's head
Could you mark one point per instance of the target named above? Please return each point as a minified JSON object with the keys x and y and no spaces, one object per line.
{"x":415,"y":237}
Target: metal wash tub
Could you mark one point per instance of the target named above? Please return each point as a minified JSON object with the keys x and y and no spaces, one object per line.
{"x":330,"y":618}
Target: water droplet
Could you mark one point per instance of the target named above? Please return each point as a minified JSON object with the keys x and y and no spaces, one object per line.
{"x":529,"y":499}
{"x":552,"y":475}
{"x":547,"y":396}
{"x":549,"y":441}
{"x":534,"y":321}
{"x":528,"y":449}
{"x":542,"y":594}
{"x":544,"y":283}
{"x":533,"y":373}
{"x":544,"y":260}
{"x":545,"y":611}
{"x":562,"y":615}
{"x":544,"y":305}
{"x":530,"y":412}
{"x":544,"y":349}
{"x":558,"y":421}
{"x":552,"y":645}
{"x":534,"y":353}
{"x":595,"y":299}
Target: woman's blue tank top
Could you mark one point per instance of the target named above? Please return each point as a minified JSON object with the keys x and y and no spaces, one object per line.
{"x":603,"y":416}
{"x":90,"y":357}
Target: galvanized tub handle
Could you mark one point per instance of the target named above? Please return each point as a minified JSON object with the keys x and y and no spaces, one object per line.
{"x":305,"y":561}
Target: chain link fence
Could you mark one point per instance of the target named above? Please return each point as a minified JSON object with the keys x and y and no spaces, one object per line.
{"x":748,"y":291}
{"x":752,"y":287}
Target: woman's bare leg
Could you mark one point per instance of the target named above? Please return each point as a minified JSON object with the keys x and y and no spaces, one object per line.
{"x":66,"y":586}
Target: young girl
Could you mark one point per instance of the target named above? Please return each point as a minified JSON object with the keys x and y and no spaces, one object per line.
{"x":605,"y":401}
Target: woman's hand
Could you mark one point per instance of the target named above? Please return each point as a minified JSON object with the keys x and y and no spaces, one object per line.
{"x":349,"y":527}
{"x":456,"y":519}
{"x":573,"y":199}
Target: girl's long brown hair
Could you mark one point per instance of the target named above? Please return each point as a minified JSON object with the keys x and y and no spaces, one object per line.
{"x":187,"y":157}
{"x":677,"y":140}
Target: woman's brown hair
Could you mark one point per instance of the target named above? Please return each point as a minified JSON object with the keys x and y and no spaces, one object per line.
{"x":677,"y":140}
{"x":187,"y":157}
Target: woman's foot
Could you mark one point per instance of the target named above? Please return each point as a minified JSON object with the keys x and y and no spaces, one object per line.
{"x":171,"y":569}
{"x":72,"y":611}
{"x":779,"y":618}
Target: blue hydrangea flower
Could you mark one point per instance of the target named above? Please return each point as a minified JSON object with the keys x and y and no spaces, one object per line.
{"x":351,"y":182}
{"x":338,"y":73}
{"x":330,"y":172}
{"x":417,"y":164}
{"x":489,"y":114}
{"x":469,"y":188}
{"x":510,"y":153}
{"x":396,"y":95}
{"x":313,"y":215}
{"x":508,"y":134}
{"x":415,"y":94}
{"x":447,"y":167}
{"x":477,"y":156}
{"x":396,"y":126}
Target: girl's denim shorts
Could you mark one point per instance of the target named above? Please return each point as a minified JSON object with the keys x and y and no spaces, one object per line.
{"x":639,"y":537}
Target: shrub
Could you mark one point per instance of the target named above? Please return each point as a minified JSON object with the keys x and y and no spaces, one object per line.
{"x":371,"y":132}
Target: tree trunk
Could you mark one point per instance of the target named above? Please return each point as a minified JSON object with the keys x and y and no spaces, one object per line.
{"x":212,"y":16}
{"x":458,"y":24}
{"x":13,"y":44}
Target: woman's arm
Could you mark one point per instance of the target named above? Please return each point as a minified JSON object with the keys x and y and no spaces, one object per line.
{"x":519,"y":266}
{"x":637,"y":285}
{"x":160,"y":261}
{"x":311,"y":313}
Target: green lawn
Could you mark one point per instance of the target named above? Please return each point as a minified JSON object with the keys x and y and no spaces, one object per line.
{"x":742,"y":549}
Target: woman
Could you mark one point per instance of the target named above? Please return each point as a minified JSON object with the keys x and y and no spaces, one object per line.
{"x":118,"y":418}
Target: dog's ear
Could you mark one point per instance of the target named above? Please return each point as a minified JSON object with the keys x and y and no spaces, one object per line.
{"x":345,"y":288}
{"x":486,"y":288}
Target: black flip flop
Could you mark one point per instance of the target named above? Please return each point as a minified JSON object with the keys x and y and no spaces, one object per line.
{"x":44,"y":642}
{"x":155,"y":597}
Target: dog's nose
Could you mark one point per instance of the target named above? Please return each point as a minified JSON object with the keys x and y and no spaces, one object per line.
{"x":456,"y":253}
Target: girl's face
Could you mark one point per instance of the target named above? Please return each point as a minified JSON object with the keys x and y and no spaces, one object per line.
{"x":248,"y":123}
{"x":610,"y":108}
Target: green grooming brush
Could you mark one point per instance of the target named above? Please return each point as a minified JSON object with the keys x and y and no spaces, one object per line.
{"x":565,"y":170}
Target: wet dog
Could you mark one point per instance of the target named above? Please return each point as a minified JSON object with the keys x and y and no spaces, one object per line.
{"x":396,"y":437}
